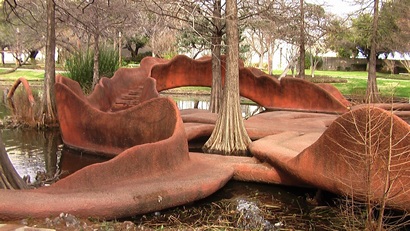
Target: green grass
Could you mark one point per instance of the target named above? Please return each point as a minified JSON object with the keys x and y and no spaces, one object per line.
{"x":30,"y":75}
{"x":356,"y":82}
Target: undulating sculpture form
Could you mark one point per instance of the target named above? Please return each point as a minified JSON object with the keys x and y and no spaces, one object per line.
{"x":289,"y":93}
{"x":152,"y":169}
{"x":109,"y":120}
{"x":128,"y":87}
{"x":143,"y":178}
{"x":364,"y":152}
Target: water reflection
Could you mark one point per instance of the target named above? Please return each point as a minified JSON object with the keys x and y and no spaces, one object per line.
{"x":32,"y":151}
{"x":74,"y":160}
{"x":248,"y":107}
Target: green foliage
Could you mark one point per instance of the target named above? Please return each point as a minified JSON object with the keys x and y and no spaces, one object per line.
{"x":28,"y":74}
{"x":310,"y":58}
{"x":140,"y":56}
{"x":134,"y":43}
{"x":344,"y":53}
{"x":79,"y":66}
{"x":108,"y":61}
{"x":355,"y":38}
{"x":361,"y":33}
{"x":188,"y":40}
{"x":169,"y":55}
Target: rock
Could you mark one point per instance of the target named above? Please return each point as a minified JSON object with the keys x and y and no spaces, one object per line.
{"x":251,"y":217}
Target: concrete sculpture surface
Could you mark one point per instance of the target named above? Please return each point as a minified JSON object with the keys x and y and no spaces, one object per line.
{"x":363,"y":152}
{"x":147,"y":137}
{"x":143,"y":178}
{"x":289,"y":93}
{"x":100,"y":122}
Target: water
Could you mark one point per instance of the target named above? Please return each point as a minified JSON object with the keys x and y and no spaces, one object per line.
{"x":32,"y":151}
{"x":248,"y":107}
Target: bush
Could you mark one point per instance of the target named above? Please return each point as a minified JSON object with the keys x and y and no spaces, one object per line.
{"x":109,"y":62}
{"x":140,"y":56}
{"x":80,"y":66}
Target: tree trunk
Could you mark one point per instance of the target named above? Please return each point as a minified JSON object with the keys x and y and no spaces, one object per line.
{"x":96,"y":69}
{"x":314,"y":67}
{"x":289,"y":67}
{"x":302,"y":42}
{"x":48,"y":111}
{"x":270,"y":54}
{"x":372,"y":92}
{"x":119,"y":50}
{"x":216,"y":90}
{"x":313,"y":64}
{"x":9,"y":178}
{"x":260,"y":65}
{"x":2,"y":58}
{"x":229,"y":135}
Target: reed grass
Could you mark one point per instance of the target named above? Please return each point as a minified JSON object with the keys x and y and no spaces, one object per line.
{"x":79,"y":66}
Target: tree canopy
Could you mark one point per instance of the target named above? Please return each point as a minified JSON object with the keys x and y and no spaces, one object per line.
{"x":353,"y":38}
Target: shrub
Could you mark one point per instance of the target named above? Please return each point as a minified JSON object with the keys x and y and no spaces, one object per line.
{"x":80,"y":65}
{"x":80,"y":68}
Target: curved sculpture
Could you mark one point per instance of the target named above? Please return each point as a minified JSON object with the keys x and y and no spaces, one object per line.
{"x":152,"y":168}
{"x":26,"y":85}
{"x":143,"y":178}
{"x":100,"y":122}
{"x":29,"y":114}
{"x":368,"y":141}
{"x":289,"y":93}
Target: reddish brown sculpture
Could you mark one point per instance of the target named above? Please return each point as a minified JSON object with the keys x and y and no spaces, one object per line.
{"x":143,"y":178}
{"x":106,"y":121}
{"x":29,"y":115}
{"x":78,"y":113}
{"x":200,"y":123}
{"x":147,"y":137}
{"x":289,"y":93}
{"x":339,"y":159}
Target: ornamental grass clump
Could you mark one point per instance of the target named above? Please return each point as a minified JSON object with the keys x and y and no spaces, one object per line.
{"x":79,"y":66}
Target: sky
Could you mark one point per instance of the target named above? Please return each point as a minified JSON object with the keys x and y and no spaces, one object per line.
{"x":338,"y":7}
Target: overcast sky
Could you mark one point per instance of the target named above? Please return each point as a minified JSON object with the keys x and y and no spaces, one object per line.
{"x":339,"y":7}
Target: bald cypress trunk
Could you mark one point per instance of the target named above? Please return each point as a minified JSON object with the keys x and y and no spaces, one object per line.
{"x":372,"y":92}
{"x":49,"y":113}
{"x":216,"y":90}
{"x":229,"y":136}
{"x":302,"y":41}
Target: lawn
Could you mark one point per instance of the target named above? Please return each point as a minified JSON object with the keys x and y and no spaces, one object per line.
{"x":30,"y":75}
{"x":355,"y":82}
{"x":389,"y":85}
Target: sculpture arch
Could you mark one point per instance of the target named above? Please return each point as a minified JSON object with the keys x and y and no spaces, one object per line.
{"x":289,"y":93}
